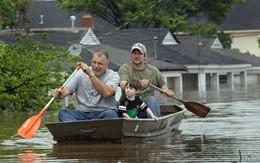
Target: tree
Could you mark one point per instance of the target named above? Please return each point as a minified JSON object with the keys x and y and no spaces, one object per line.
{"x":225,"y":39}
{"x":29,"y":69}
{"x":152,"y":13}
{"x":13,"y":13}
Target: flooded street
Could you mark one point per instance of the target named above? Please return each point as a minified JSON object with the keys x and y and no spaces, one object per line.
{"x":229,"y":133}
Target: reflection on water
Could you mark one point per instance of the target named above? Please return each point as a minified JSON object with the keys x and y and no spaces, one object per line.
{"x":28,"y":156}
{"x":229,"y":133}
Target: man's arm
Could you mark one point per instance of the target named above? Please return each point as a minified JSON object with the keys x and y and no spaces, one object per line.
{"x":103,"y":89}
{"x":122,"y":84}
{"x":168,"y":92}
{"x":56,"y":93}
{"x":123,"y":74}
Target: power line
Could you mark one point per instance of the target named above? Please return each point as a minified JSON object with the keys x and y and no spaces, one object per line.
{"x":128,"y":22}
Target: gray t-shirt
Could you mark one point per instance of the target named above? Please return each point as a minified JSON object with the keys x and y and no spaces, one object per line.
{"x":88,"y":99}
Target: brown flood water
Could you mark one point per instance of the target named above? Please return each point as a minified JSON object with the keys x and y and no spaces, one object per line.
{"x":230,"y":133}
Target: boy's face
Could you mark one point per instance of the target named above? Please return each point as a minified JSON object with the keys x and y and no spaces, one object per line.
{"x":130,"y":91}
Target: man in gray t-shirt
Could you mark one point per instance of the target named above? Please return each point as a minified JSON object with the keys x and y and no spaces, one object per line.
{"x":95,"y":89}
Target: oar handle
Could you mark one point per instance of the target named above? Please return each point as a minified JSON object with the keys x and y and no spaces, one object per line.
{"x":162,"y":91}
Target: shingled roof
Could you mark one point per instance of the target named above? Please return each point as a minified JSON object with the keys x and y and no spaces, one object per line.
{"x":243,"y":16}
{"x":118,"y":57}
{"x":187,"y":52}
{"x":167,"y":57}
{"x":199,"y":51}
{"x":54,"y":17}
{"x":255,"y":61}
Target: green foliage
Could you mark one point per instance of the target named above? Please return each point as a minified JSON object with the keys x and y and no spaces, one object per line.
{"x":258,"y":43}
{"x":153,"y":13}
{"x":225,"y":38}
{"x":13,"y":13}
{"x":236,"y":49}
{"x":29,"y":69}
{"x":202,"y":29}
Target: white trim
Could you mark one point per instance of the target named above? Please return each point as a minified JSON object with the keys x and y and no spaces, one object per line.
{"x":219,"y":66}
{"x":169,"y":40}
{"x":216,"y":44}
{"x":90,"y":38}
{"x":242,"y":31}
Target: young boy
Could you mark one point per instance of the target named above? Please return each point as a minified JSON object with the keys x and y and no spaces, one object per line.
{"x":131,"y":105}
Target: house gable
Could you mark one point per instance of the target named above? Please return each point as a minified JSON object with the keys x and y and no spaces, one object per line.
{"x":169,"y":40}
{"x":75,"y":49}
{"x":216,"y":44}
{"x":90,"y":38}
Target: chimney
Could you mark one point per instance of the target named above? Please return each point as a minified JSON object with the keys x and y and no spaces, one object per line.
{"x":87,"y":21}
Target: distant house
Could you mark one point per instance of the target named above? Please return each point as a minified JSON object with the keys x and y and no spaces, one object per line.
{"x":191,"y":62}
{"x":243,"y":24}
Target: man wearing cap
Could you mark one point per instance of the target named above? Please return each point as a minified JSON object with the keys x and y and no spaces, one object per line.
{"x":145,"y":74}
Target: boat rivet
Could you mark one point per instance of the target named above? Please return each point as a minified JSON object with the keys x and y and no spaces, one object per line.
{"x":136,"y":128}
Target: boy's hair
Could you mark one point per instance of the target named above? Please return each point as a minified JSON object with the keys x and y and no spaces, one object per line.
{"x":133,"y":84}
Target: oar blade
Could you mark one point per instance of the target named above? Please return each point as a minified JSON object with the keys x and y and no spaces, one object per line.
{"x":29,"y":127}
{"x":197,"y":108}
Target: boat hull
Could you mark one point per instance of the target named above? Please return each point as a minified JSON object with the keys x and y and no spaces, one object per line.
{"x":117,"y":129}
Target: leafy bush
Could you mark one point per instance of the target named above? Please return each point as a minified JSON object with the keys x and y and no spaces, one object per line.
{"x":29,"y":69}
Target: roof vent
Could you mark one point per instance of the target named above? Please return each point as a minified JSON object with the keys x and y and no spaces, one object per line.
{"x":75,"y":49}
{"x":217,"y":44}
{"x":41,"y":19}
{"x":72,"y":18}
{"x":169,"y":40}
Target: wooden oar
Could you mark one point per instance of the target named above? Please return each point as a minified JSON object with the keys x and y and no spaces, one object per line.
{"x":192,"y":106}
{"x":31,"y":125}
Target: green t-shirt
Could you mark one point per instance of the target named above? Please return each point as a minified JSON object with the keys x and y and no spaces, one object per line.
{"x":127,"y":72}
{"x":132,"y":108}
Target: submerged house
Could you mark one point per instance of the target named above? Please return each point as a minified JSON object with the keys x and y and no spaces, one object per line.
{"x":205,"y":62}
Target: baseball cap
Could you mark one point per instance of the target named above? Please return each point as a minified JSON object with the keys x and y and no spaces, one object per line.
{"x":140,"y":47}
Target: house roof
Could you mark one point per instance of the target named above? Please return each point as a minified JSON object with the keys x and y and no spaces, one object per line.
{"x":243,"y":16}
{"x":54,"y":17}
{"x":165,"y":57}
{"x":186,"y":53}
{"x":199,"y":51}
{"x":255,"y":61}
{"x":117,"y":57}
{"x":57,"y":37}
